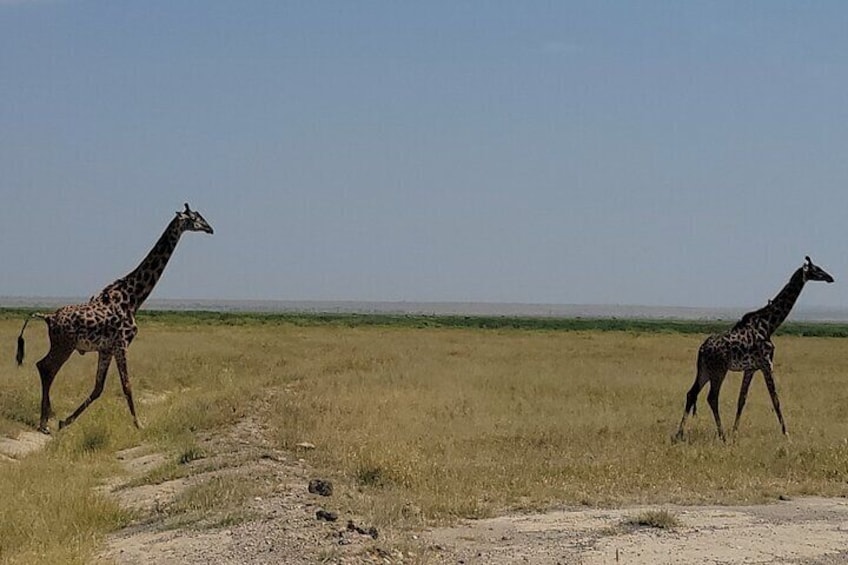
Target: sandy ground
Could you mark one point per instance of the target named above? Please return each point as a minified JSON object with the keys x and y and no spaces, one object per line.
{"x":802,"y":531}
{"x":282,"y":527}
{"x":13,"y":448}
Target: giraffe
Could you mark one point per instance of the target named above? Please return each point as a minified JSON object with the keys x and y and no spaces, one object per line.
{"x":747,"y":347}
{"x":106,"y":323}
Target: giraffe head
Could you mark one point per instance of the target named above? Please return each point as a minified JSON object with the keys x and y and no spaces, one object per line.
{"x":813,"y":272}
{"x":191,"y":220}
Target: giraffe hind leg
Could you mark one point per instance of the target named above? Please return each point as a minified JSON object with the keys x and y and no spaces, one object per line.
{"x":743,"y":395}
{"x":48,"y":366}
{"x":712,"y":399}
{"x":691,"y":401}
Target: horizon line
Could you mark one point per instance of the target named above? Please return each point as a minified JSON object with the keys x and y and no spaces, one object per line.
{"x":444,"y":307}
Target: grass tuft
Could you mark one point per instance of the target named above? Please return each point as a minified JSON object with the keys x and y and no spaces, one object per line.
{"x":370,"y":476}
{"x":189,"y":454}
{"x":93,"y":439}
{"x":660,"y":519}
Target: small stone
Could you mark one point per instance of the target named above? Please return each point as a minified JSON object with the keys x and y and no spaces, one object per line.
{"x":326,"y":515}
{"x":372,"y":531}
{"x":305,"y":445}
{"x":320,"y":486}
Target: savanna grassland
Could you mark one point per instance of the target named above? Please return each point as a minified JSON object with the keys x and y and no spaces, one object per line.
{"x":430,"y":419}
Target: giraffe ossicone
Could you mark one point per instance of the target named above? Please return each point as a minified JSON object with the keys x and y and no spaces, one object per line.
{"x":106,"y":323}
{"x":747,"y":347}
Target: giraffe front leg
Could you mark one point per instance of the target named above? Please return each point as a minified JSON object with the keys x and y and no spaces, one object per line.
{"x":775,"y":401}
{"x":121,"y":361}
{"x":102,"y":367}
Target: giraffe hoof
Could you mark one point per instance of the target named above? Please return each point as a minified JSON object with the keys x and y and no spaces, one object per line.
{"x":44,"y":429}
{"x":63,"y":424}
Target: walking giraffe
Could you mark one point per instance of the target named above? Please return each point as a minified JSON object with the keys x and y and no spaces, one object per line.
{"x":106,"y":323}
{"x":747,"y":347}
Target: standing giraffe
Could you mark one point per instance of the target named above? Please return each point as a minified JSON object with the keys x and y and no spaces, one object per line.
{"x":747,"y":347}
{"x":106,"y":323}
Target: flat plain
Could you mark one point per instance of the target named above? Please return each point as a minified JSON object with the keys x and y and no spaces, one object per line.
{"x":422,"y":426}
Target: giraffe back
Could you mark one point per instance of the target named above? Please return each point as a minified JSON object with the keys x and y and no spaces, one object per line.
{"x":93,"y":326}
{"x":739,"y":349}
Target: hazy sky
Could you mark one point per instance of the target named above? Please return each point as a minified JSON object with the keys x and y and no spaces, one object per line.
{"x":657,"y":153}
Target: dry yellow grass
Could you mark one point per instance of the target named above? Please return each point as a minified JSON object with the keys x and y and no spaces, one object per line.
{"x":431,"y":423}
{"x":185,"y":382}
{"x":469,"y":423}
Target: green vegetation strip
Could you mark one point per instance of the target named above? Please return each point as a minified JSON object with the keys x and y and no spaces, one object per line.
{"x":193,"y":317}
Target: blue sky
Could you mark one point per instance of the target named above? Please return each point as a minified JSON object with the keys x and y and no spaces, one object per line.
{"x":656,"y":153}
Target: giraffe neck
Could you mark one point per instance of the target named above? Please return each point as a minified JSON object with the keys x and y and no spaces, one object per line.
{"x":775,"y":313}
{"x":138,"y":284}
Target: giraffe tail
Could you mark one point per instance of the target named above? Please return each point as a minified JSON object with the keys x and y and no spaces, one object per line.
{"x":19,"y":355}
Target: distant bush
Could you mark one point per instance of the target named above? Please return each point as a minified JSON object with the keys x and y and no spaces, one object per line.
{"x":189,"y":317}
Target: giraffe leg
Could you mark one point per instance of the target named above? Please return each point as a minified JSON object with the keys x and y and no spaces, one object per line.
{"x":743,"y":395}
{"x":47,"y":369}
{"x":712,"y":400}
{"x":775,"y":401}
{"x":121,"y":361}
{"x":691,"y":399}
{"x":103,"y":361}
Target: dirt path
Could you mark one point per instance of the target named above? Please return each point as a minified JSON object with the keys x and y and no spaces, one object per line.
{"x":278,"y":526}
{"x":804,"y":531}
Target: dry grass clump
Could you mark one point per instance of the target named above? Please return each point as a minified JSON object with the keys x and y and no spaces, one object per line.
{"x":660,"y":519}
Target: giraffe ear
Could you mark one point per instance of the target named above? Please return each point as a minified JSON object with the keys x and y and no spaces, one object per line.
{"x":187,"y":208}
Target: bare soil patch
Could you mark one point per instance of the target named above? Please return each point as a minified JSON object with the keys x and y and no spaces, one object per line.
{"x":25,"y":442}
{"x":803,"y":531}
